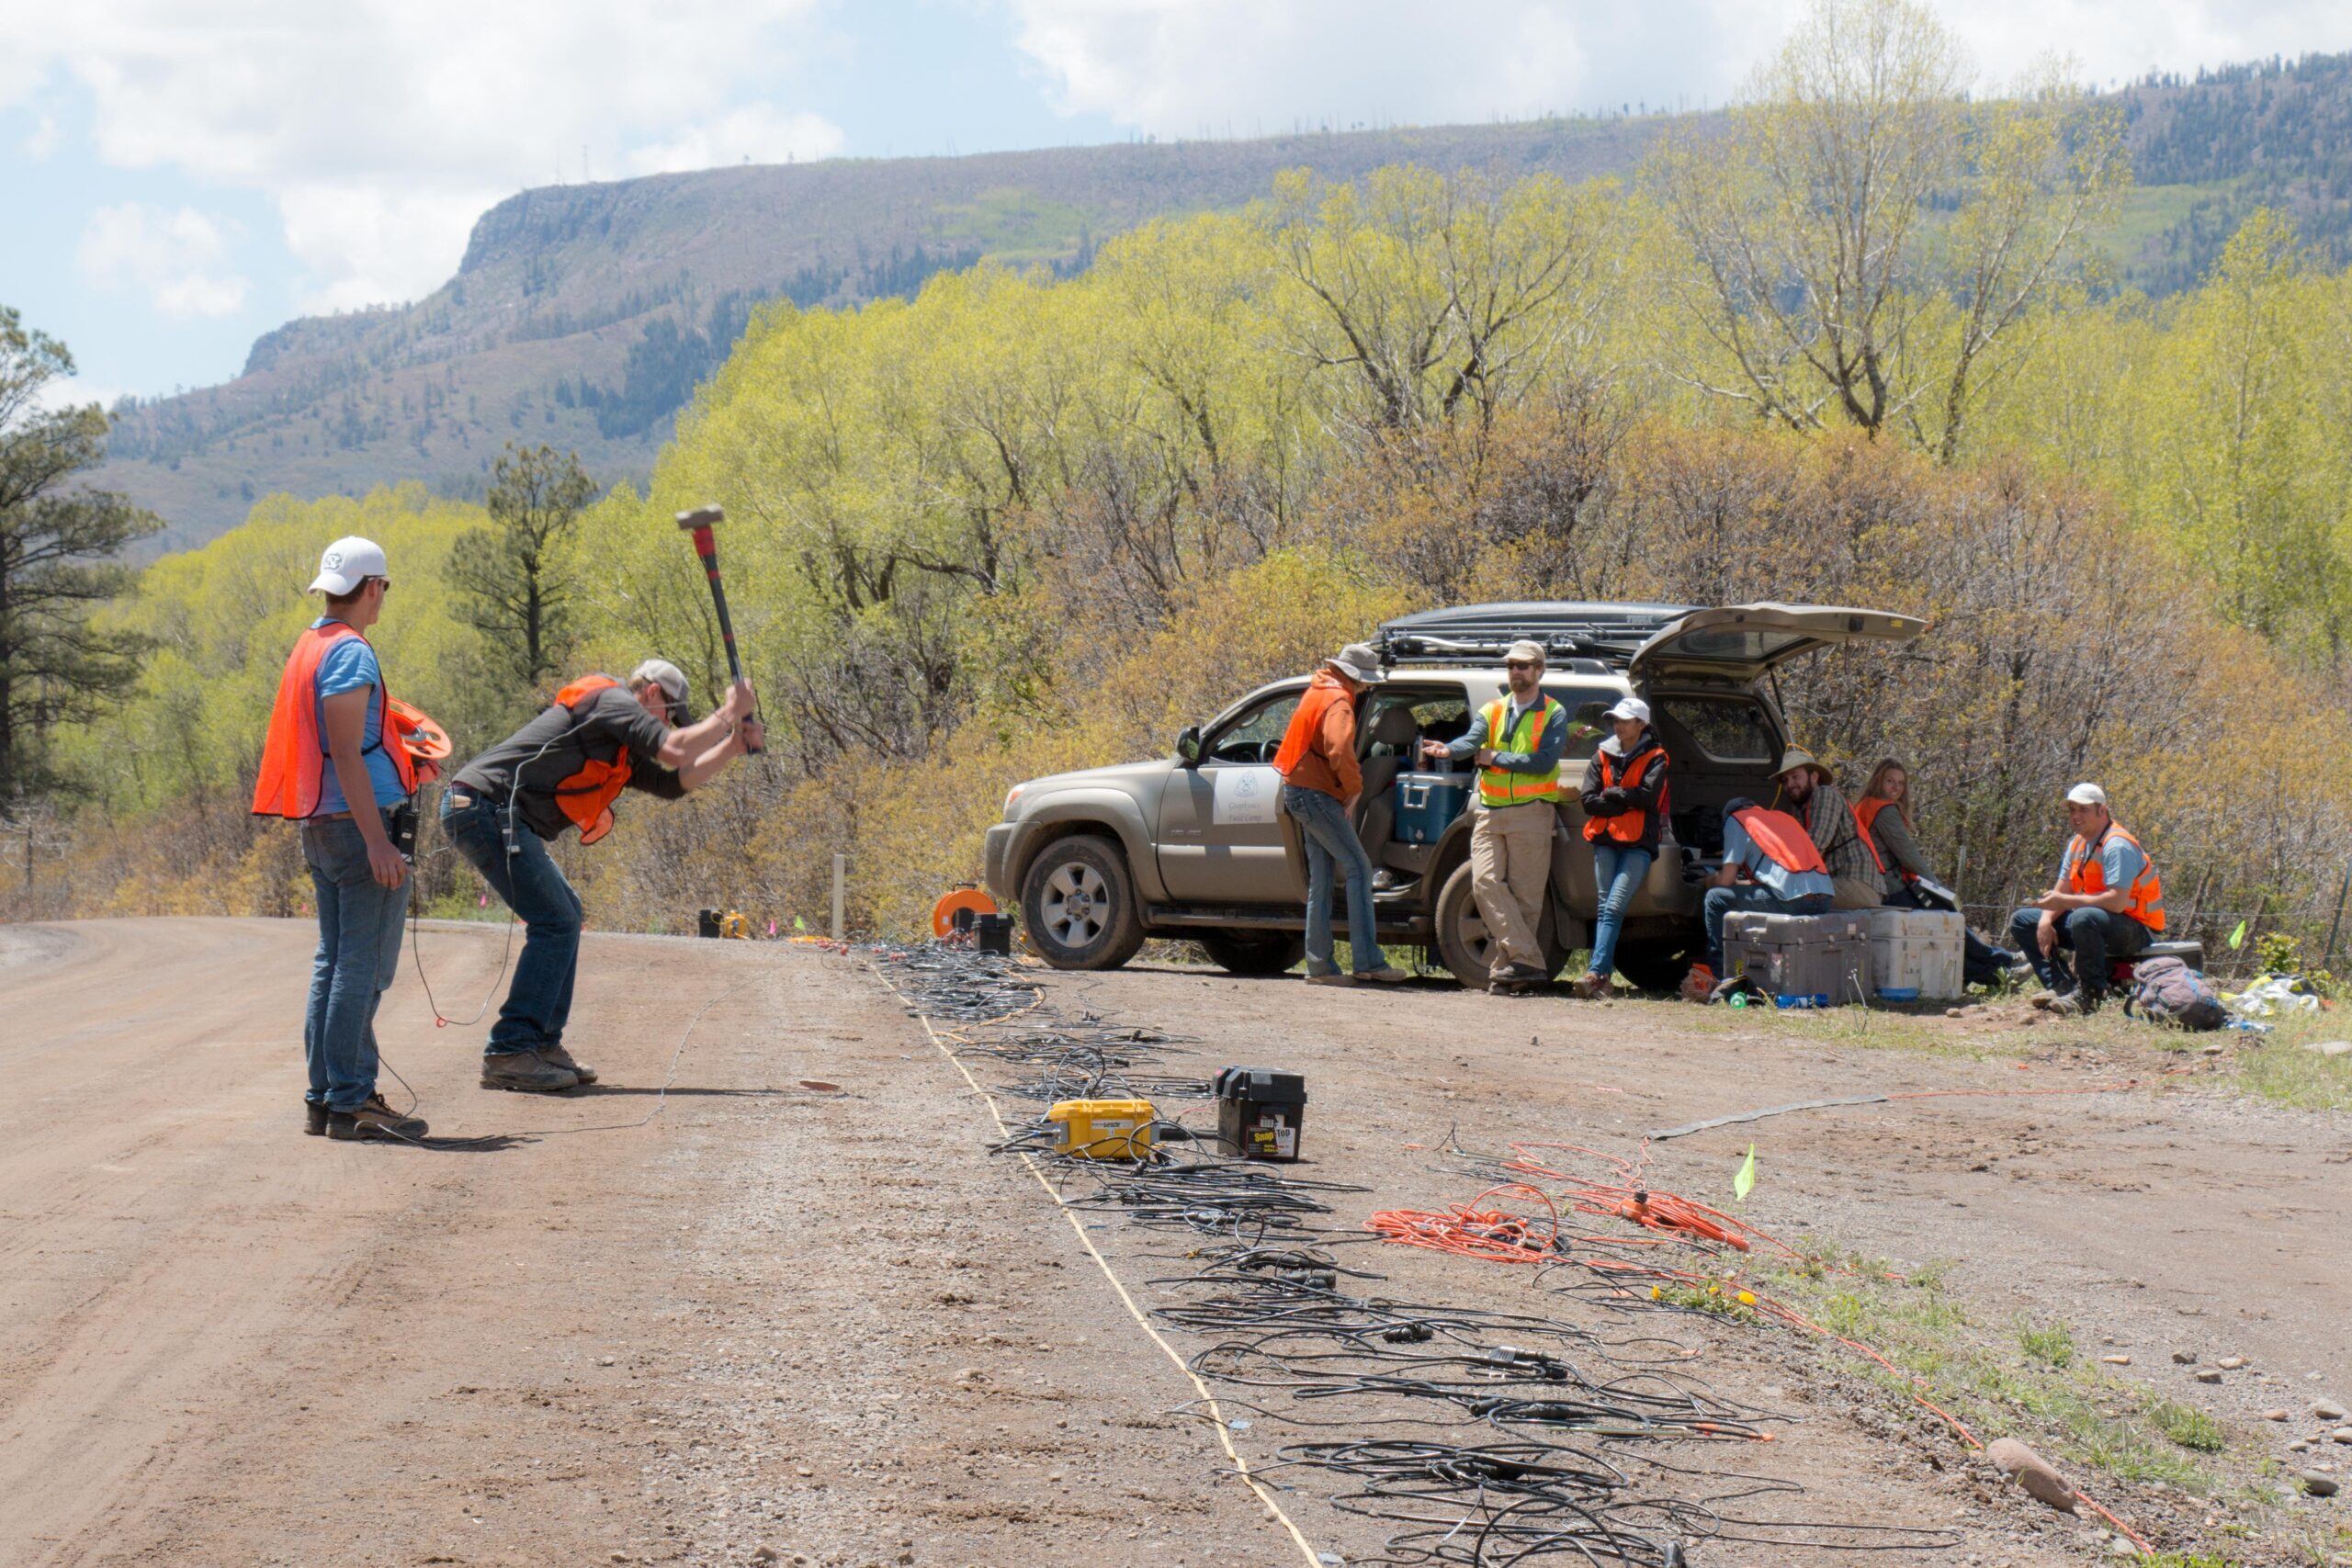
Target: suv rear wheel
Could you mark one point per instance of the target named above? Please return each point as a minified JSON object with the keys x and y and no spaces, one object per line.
{"x":1252,"y":953}
{"x":1461,"y":940}
{"x":1080,"y":906}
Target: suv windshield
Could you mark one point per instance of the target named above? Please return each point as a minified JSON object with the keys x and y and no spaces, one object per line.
{"x":1728,"y":728}
{"x":1257,"y":735}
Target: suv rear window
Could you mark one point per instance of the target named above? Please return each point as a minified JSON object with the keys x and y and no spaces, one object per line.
{"x":1588,"y":718}
{"x":1728,"y":728}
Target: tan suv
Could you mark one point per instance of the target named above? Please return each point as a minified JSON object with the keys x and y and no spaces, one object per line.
{"x":1195,"y":846}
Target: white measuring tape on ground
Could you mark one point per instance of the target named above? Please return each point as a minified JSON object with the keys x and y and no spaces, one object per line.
{"x":1258,"y":1488}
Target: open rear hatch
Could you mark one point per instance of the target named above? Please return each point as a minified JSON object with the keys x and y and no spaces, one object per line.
{"x":1742,"y":642}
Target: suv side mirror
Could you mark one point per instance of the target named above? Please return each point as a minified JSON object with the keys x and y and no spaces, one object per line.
{"x":1188,"y":745}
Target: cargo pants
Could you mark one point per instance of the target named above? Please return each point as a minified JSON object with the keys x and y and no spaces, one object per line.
{"x":1510,"y":868}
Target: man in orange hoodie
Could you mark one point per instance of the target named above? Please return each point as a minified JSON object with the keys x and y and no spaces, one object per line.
{"x":1321,"y":780}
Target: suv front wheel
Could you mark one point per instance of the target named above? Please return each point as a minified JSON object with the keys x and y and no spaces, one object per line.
{"x":1080,"y":905}
{"x":1463,"y":943}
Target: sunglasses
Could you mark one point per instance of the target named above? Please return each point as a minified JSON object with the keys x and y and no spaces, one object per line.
{"x":1519,"y":665}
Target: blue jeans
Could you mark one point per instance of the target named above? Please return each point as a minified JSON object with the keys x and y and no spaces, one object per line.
{"x":2094,"y":936}
{"x":359,"y":951}
{"x":1617,"y":874}
{"x":1333,"y":844}
{"x":539,"y":1003}
{"x":1721,"y":901}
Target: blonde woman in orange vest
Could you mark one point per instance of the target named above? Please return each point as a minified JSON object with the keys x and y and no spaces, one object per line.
{"x":2108,"y":903}
{"x":564,"y":770}
{"x":1885,"y":813}
{"x":333,"y":761}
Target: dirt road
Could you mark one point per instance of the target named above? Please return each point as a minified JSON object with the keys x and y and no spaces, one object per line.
{"x":782,"y":1319}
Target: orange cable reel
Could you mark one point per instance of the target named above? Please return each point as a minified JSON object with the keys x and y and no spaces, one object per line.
{"x":959,"y":901}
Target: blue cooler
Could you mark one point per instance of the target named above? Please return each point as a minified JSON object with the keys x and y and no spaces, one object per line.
{"x":1427,"y":805}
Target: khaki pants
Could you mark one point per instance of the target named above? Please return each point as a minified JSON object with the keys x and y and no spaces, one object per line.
{"x":1856,"y":894}
{"x":1510,"y":864}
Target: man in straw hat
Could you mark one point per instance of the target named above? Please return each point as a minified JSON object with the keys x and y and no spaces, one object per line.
{"x":1810,"y":794}
{"x":1517,"y":745}
{"x":1321,"y":780}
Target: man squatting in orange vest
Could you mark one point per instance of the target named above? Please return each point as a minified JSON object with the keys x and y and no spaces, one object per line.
{"x":1770,"y":863}
{"x":333,"y":761}
{"x":563,"y":770}
{"x":2108,"y":903}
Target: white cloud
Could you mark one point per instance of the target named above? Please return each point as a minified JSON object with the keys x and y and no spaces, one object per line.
{"x":1190,"y":67}
{"x":73,"y":391}
{"x":178,"y":259}
{"x":42,"y":140}
{"x":382,"y":128}
{"x":757,"y":133}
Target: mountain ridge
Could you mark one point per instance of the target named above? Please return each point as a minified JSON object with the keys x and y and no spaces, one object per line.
{"x":585,"y":315}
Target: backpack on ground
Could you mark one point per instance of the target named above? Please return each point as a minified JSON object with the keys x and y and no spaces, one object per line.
{"x":2166,"y":991}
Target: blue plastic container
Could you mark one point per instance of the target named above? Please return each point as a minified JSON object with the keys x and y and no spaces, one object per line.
{"x":1427,"y":805}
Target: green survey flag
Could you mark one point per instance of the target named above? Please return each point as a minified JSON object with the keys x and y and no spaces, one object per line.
{"x":798,"y":924}
{"x":2237,"y":937}
{"x":1745,"y":1182}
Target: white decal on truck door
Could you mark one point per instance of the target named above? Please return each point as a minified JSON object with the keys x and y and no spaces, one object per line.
{"x":1245,"y":794}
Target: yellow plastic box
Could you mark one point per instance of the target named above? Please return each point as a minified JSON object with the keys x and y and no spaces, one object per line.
{"x":1104,"y":1129}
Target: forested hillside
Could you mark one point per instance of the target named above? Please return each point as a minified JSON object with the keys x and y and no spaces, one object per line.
{"x":1029,"y":520}
{"x":585,"y":315}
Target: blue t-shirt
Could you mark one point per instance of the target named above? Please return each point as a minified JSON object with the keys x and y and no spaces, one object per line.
{"x":350,"y":664}
{"x":1778,"y":880}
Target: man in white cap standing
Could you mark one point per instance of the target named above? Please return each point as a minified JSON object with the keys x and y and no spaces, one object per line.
{"x":333,"y":761}
{"x":1517,"y":745}
{"x":563,"y":770}
{"x":2108,"y":903}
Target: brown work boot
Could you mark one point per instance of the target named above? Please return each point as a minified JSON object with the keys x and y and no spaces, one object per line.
{"x":1329,"y":977}
{"x":375,"y":1122}
{"x":1588,"y":986}
{"x":314,"y":1117}
{"x":528,"y":1072}
{"x":562,"y":1058}
{"x":1386,"y":974}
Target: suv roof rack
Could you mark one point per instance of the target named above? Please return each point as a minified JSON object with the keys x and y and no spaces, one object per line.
{"x":1564,"y":628}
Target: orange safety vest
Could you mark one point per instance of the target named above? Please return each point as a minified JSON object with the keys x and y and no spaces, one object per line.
{"x":1782,"y":838}
{"x":1306,"y":721}
{"x":294,"y":752}
{"x":1866,"y":812}
{"x":2143,"y":901}
{"x":1625,"y":827}
{"x":587,"y":797}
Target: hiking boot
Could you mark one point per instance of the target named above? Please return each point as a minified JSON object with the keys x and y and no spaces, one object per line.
{"x":1329,"y":977}
{"x":562,"y":1058}
{"x":2047,"y":1001}
{"x":529,"y":1072}
{"x":1386,"y":974}
{"x":315,"y":1118}
{"x":1589,"y":986}
{"x":1516,"y":979}
{"x":375,"y":1122}
{"x":2071,"y":1004}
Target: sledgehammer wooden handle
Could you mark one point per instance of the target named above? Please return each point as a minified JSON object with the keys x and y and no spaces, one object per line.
{"x":699,"y":523}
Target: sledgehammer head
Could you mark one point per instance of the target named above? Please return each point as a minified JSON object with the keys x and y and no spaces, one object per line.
{"x":701,"y":517}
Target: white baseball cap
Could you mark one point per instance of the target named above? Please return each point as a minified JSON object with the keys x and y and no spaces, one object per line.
{"x":673,"y":682}
{"x":1631,"y":707}
{"x":2087,"y":795}
{"x":347,"y":563}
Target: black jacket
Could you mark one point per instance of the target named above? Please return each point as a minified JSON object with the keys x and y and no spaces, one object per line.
{"x":1643,"y":797}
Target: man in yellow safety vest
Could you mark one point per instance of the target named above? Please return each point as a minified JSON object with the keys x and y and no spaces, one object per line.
{"x":1516,"y":743}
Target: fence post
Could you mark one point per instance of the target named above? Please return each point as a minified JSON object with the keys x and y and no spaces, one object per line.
{"x":841,"y":886}
{"x":2337,"y":924}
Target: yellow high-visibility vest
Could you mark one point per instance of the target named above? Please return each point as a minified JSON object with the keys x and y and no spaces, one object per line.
{"x":1499,"y":787}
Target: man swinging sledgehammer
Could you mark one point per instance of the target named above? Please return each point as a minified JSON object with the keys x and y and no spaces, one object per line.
{"x":563,"y":770}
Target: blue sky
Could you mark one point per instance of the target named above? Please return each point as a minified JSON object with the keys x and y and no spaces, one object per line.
{"x":186,"y":177}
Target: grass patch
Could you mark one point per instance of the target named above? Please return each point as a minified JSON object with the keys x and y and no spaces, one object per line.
{"x":2031,"y":1383}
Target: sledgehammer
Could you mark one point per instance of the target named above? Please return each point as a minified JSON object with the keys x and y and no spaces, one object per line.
{"x":699,"y":523}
